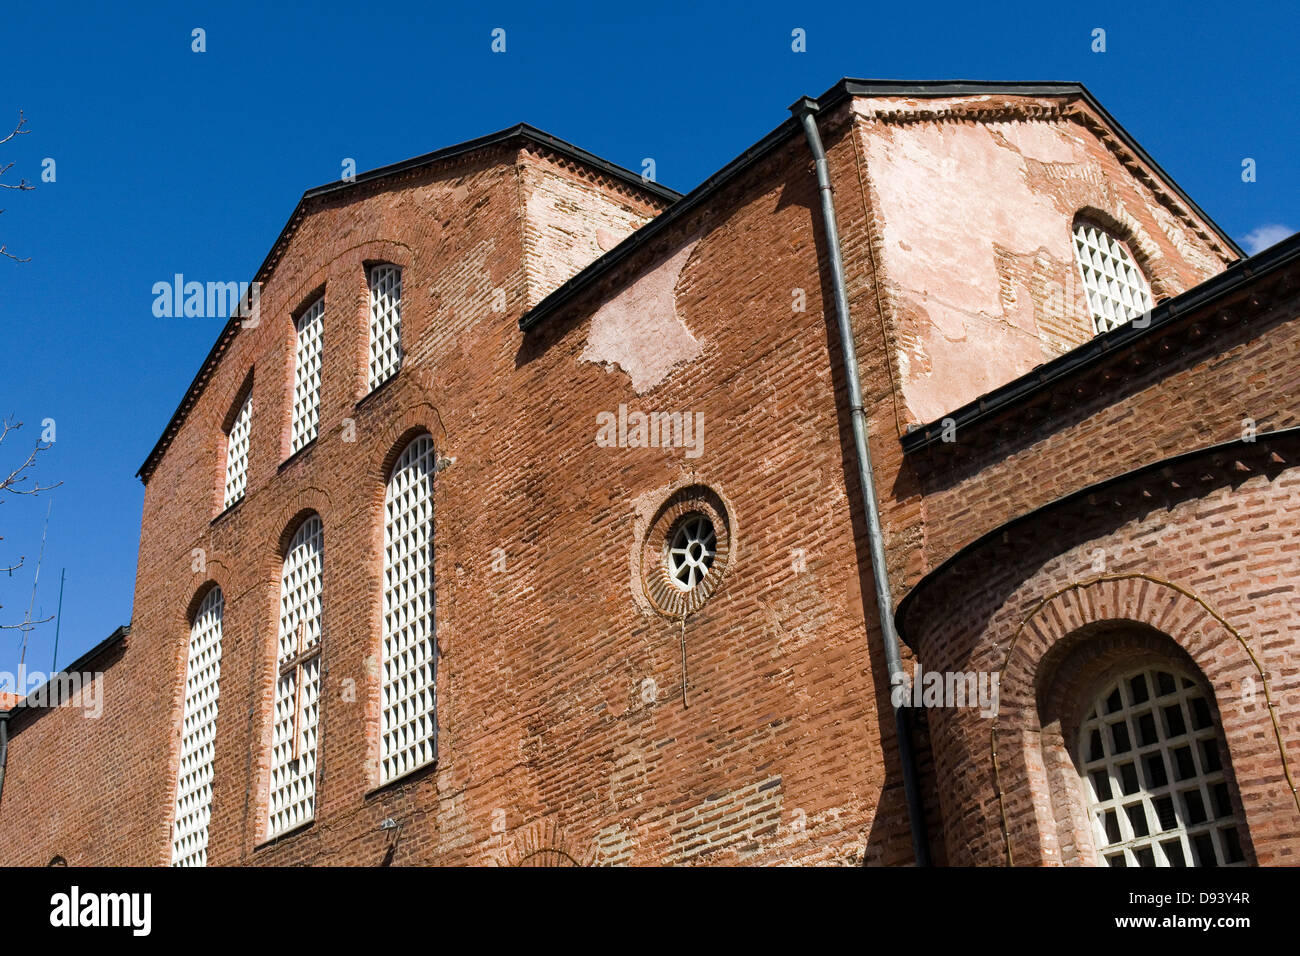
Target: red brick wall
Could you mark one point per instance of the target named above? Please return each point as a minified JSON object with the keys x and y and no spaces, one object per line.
{"x":976,"y":199}
{"x":561,"y":710}
{"x":1218,"y":371}
{"x":1204,"y":556}
{"x":549,"y":736}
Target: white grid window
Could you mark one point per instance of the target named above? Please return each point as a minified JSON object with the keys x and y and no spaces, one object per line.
{"x":297,"y":688}
{"x":1117,"y":290}
{"x":1158,"y":794}
{"x":237,"y":453}
{"x":385,"y":323}
{"x":408,"y":725}
{"x":306,"y":377}
{"x":198,"y":736}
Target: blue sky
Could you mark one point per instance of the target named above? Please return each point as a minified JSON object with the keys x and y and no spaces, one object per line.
{"x":168,"y":161}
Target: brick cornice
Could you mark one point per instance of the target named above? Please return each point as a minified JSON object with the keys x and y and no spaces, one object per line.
{"x":1159,"y":484}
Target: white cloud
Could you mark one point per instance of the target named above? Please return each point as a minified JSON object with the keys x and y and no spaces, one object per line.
{"x":1257,"y":240}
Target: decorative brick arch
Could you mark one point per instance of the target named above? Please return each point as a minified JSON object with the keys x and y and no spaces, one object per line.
{"x":1121,"y":224}
{"x":293,"y":512}
{"x":381,"y":454}
{"x":1217,"y":649}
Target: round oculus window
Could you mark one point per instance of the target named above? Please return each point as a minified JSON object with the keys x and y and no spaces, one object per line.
{"x":685,"y":549}
{"x":692,"y":548}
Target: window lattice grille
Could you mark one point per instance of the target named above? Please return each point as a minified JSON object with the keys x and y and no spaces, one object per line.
{"x":385,"y":323}
{"x":198,"y":735}
{"x":306,"y":377}
{"x":691,"y":551}
{"x":1117,"y":290}
{"x":297,"y":691}
{"x":1157,"y":790}
{"x":237,"y":453}
{"x":409,"y":718}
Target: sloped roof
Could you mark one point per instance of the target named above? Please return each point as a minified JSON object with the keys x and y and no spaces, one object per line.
{"x":845,"y":88}
{"x":517,"y":134}
{"x":681,"y":206}
{"x":1108,"y":348}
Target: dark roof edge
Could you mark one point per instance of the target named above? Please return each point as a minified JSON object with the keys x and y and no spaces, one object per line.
{"x":107,"y":644}
{"x":1231,"y":280}
{"x":518,"y":131}
{"x":940,"y":88}
{"x":839,"y":92}
{"x":1128,"y":476}
{"x":562,"y":295}
{"x":500,"y":137}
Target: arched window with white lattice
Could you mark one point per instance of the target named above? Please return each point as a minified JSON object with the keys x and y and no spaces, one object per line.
{"x":1115,"y":287}
{"x":1151,"y":757}
{"x":385,"y":323}
{"x":294,"y":736}
{"x":237,"y":442}
{"x":408,"y":716}
{"x":193,"y":808}
{"x":306,"y":376}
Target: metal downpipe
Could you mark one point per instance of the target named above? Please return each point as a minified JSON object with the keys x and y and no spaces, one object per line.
{"x":804,"y":111}
{"x":4,"y":748}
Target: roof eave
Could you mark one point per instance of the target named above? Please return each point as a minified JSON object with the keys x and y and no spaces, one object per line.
{"x":520,"y":131}
{"x":1098,"y":349}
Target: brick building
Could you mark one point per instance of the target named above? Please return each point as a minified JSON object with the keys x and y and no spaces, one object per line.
{"x":523,"y":522}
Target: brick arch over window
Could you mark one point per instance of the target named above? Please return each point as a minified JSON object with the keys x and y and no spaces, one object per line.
{"x":296,"y":700}
{"x":1140,"y":783}
{"x":309,"y":501}
{"x":1144,"y":250}
{"x":408,"y":647}
{"x":200,"y":594}
{"x":232,"y":472}
{"x":199,"y":703}
{"x":1021,"y":766}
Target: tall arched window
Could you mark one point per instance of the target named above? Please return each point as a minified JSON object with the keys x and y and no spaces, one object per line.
{"x":408,"y":725}
{"x":1116,"y":288}
{"x":1158,"y":793}
{"x":237,"y":452}
{"x":198,"y":735}
{"x":297,"y":688}
{"x":385,"y":323}
{"x":306,"y":376}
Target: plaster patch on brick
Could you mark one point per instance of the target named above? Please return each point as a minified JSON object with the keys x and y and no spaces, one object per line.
{"x":641,"y":331}
{"x":1043,"y":142}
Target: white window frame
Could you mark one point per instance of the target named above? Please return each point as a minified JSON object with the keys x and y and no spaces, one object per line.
{"x":193,"y":804}
{"x":296,"y":712}
{"x":408,"y":696}
{"x":308,"y":357}
{"x":238,"y":440}
{"x":1115,"y":287}
{"x":385,"y":284}
{"x":1166,"y":773}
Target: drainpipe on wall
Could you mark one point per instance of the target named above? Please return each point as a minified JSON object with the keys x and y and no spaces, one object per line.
{"x":4,"y":747}
{"x":804,"y":111}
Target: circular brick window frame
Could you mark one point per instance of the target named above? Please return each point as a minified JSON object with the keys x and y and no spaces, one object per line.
{"x":665,"y":597}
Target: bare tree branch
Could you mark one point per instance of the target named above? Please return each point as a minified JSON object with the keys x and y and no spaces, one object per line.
{"x":26,"y":625}
{"x":18,"y":130}
{"x":22,"y":184}
{"x":18,"y":476}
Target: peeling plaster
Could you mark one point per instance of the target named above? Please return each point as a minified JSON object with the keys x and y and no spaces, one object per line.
{"x":640,"y":330}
